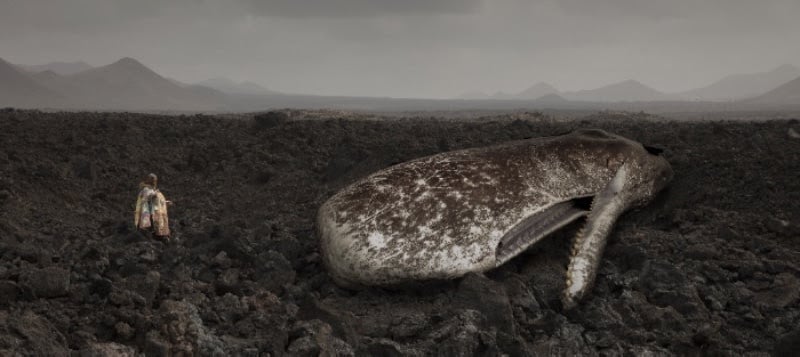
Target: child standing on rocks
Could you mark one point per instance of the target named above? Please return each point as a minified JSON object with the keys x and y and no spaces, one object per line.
{"x":151,"y":209}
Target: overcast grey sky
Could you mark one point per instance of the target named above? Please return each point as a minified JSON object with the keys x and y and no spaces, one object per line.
{"x":413,"y":48}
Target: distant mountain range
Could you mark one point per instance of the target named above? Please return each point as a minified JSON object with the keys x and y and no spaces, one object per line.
{"x":741,"y":86}
{"x":21,"y":89}
{"x":127,"y":84}
{"x":731,"y":88}
{"x":123,"y":85}
{"x":61,"y":68}
{"x":537,"y":90}
{"x":787,"y":93}
{"x":627,"y":91}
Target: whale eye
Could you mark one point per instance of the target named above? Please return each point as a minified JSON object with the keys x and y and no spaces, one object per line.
{"x":653,"y":150}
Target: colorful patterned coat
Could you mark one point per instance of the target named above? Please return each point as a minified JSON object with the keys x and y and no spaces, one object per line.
{"x":151,"y":211}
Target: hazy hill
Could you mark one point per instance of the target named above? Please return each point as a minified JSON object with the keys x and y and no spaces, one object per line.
{"x":128,"y":84}
{"x":626,"y":91}
{"x":61,"y":68}
{"x":742,"y":86}
{"x":786,"y":94}
{"x":229,"y":86}
{"x":538,"y":90}
{"x":19,"y":89}
{"x":551,"y":99}
{"x":123,"y":85}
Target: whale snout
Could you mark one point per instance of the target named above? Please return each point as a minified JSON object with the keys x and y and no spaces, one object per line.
{"x":655,"y":175}
{"x":664,"y":174}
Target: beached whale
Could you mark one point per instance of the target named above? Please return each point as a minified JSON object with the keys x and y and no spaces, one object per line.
{"x":442,"y":216}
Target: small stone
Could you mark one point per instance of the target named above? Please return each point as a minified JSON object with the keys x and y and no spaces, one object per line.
{"x":665,"y":285}
{"x":84,"y":169}
{"x":124,"y":330}
{"x":701,"y":252}
{"x":304,"y":346}
{"x":520,"y":295}
{"x":462,"y":336}
{"x":275,"y":271}
{"x":228,"y":281}
{"x":315,"y":338}
{"x":793,"y":133}
{"x":144,"y":285}
{"x":155,"y":345}
{"x":249,"y":352}
{"x":9,"y":291}
{"x":230,"y":307}
{"x":39,"y":337}
{"x":787,"y":345}
{"x":120,"y":298}
{"x":222,"y":260}
{"x":784,"y":291}
{"x":149,"y":256}
{"x":5,"y":195}
{"x":101,"y":286}
{"x":715,"y":304}
{"x":480,"y":293}
{"x":779,"y":226}
{"x":408,"y":325}
{"x":182,"y":326}
{"x":383,"y":347}
{"x":48,"y":282}
{"x":107,"y":349}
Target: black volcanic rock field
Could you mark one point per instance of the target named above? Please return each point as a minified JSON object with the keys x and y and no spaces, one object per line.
{"x":711,"y":267}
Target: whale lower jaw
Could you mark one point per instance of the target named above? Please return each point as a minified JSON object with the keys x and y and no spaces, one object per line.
{"x":588,"y":246}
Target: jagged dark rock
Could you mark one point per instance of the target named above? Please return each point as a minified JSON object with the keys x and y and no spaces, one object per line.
{"x":709,"y":268}
{"x":48,"y":282}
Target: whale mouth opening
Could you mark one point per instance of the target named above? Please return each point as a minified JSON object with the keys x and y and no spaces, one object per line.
{"x":653,"y":150}
{"x":583,"y":203}
{"x":539,"y":225}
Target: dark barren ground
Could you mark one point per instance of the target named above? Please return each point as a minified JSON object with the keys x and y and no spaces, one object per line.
{"x":711,"y":267}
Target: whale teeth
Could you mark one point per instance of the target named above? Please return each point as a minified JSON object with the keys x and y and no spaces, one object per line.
{"x":577,"y":242}
{"x":574,"y":252}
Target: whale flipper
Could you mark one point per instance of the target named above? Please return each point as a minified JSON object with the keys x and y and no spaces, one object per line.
{"x":535,"y":227}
